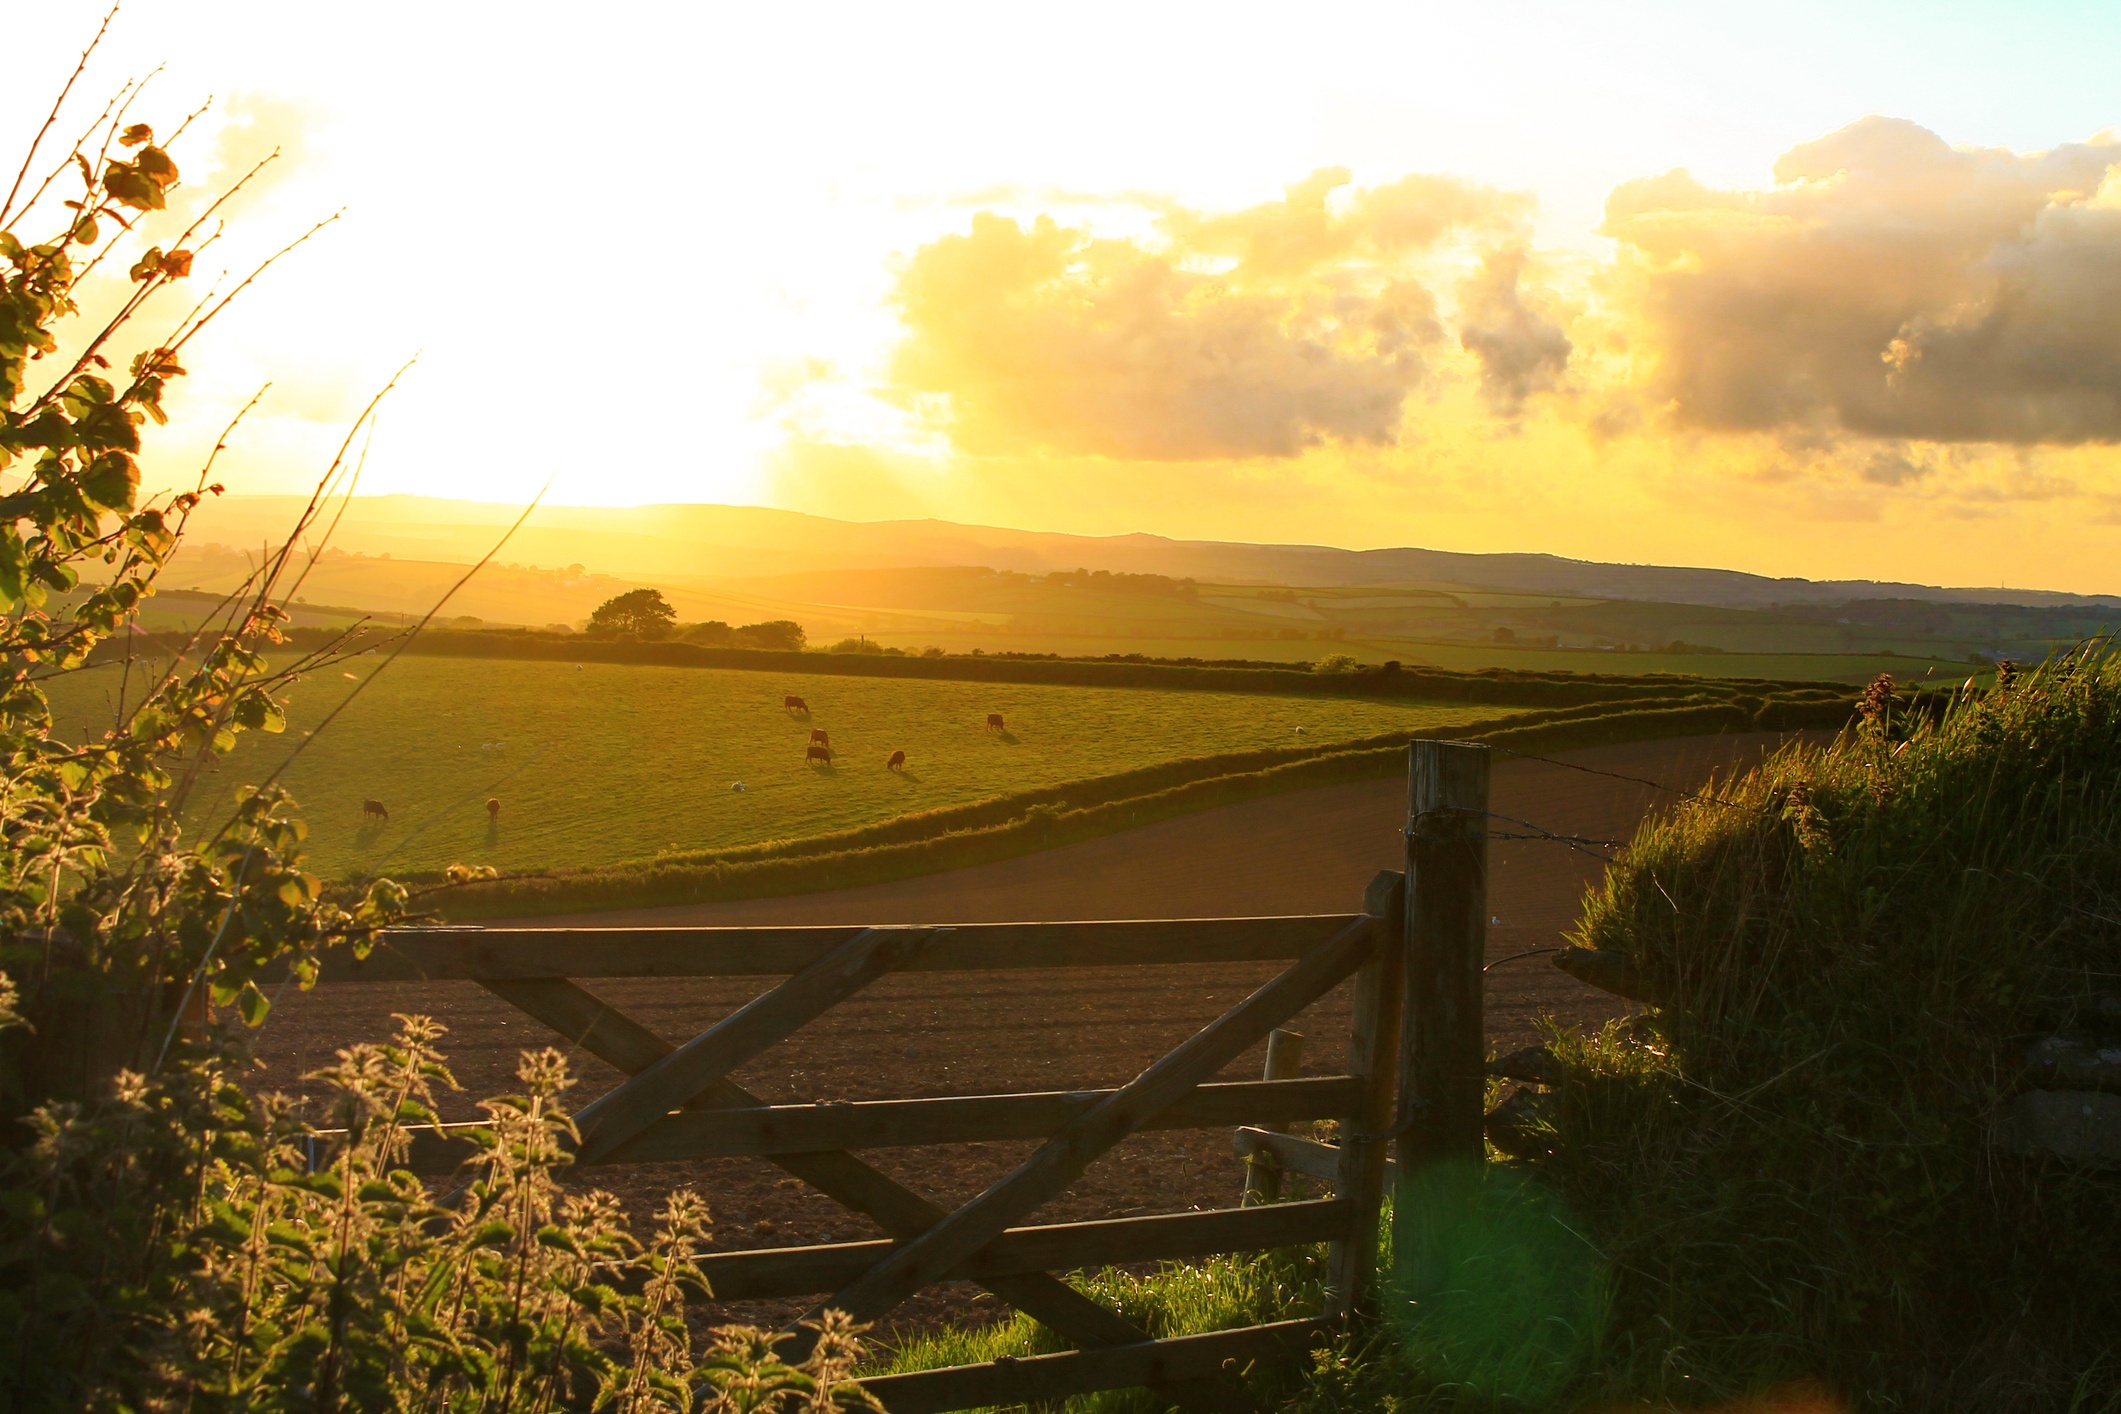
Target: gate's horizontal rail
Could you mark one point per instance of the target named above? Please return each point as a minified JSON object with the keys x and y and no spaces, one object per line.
{"x":1294,"y":1155}
{"x":958,"y":1119}
{"x":1039,"y":1378}
{"x":969,"y":1119}
{"x":762,"y":1273}
{"x":474,"y":954}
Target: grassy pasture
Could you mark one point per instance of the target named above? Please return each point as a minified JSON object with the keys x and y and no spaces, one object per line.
{"x":608,"y":762}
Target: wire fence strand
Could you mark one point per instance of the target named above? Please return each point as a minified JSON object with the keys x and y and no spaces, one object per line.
{"x":1609,"y":775}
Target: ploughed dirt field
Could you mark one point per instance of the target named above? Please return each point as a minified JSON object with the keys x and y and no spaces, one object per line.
{"x":993,"y":1032}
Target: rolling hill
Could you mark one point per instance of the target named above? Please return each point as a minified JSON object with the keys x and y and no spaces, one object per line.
{"x":694,"y":543}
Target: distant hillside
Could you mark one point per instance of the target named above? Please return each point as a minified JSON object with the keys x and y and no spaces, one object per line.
{"x":705,"y":543}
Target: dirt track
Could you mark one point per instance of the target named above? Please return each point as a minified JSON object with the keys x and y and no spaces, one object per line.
{"x":1308,"y":852}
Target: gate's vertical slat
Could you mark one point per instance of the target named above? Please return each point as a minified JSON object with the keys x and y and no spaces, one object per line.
{"x":1373,"y":1048}
{"x":1285,"y":1061}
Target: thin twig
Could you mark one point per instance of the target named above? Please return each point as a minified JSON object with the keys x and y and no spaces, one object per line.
{"x":53,"y":117}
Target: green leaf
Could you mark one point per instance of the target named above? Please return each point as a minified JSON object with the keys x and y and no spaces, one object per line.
{"x":154,"y":164}
{"x":129,"y":186}
{"x":85,"y":232}
{"x":253,"y":1004}
{"x":112,"y":480}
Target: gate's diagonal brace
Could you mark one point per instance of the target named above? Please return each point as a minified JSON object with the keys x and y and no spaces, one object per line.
{"x":678,"y":1075}
{"x":1062,"y":1159}
{"x":577,"y":1014}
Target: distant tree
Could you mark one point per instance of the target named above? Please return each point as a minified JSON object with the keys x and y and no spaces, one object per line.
{"x":856,"y":645}
{"x":713,"y":634}
{"x":638,"y":613}
{"x":784,"y":634}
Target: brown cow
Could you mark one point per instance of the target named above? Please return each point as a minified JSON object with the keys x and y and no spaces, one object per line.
{"x":373,"y":807}
{"x":493,"y":809}
{"x":818,"y":753}
{"x":898,"y":759}
{"x":818,"y":737}
{"x":796,"y":704}
{"x":994,"y":722}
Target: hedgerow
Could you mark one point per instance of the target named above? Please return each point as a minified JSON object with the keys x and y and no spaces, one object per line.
{"x":1794,"y":1162}
{"x":1497,"y":686}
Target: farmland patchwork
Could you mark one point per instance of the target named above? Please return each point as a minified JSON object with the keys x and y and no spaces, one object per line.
{"x":602,"y":763}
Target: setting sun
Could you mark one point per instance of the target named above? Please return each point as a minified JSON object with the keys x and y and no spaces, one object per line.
{"x":1473,"y":280}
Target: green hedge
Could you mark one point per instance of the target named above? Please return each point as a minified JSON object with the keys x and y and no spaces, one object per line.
{"x":983,"y":832}
{"x":1499,"y":686}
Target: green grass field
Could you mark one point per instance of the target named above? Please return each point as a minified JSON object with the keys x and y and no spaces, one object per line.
{"x":604,"y":763}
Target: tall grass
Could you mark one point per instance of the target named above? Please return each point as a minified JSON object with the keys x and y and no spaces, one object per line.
{"x":1790,"y":1163}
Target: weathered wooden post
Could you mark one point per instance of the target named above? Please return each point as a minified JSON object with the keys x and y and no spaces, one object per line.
{"x":1373,"y":1049}
{"x":1285,"y":1061}
{"x":1443,"y":1049}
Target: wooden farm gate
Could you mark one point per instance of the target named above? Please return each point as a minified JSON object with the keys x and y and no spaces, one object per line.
{"x":1414,"y":953}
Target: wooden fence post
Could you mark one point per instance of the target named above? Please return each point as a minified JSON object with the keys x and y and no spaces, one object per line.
{"x":1285,"y":1061}
{"x":1443,"y":1050}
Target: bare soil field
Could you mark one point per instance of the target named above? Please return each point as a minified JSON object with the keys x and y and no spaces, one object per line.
{"x":975,"y":1033}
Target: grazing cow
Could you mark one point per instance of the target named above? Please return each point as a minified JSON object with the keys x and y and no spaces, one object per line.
{"x":898,"y":759}
{"x":994,"y":722}
{"x":818,"y":753}
{"x":493,"y":809}
{"x":796,"y":704}
{"x":373,"y":807}
{"x":818,"y":737}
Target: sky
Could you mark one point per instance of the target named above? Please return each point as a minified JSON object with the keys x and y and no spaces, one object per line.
{"x":1820,"y":289}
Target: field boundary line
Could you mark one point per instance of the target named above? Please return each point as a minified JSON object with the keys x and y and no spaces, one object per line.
{"x":1039,"y":826}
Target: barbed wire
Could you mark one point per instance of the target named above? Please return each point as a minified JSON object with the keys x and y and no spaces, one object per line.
{"x":1583,"y":844}
{"x":1609,"y":775}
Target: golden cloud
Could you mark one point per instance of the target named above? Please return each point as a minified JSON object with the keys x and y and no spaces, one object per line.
{"x":1889,"y":285}
{"x":1521,"y":350}
{"x":1255,"y":333}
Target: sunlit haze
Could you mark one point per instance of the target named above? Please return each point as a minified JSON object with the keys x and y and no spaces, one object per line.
{"x":1822,"y":289}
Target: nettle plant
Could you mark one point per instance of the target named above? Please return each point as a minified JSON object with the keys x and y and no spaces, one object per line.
{"x":109,"y":917}
{"x":168,"y":1237}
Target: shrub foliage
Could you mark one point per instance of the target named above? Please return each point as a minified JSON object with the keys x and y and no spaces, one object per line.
{"x":1793,"y":1160}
